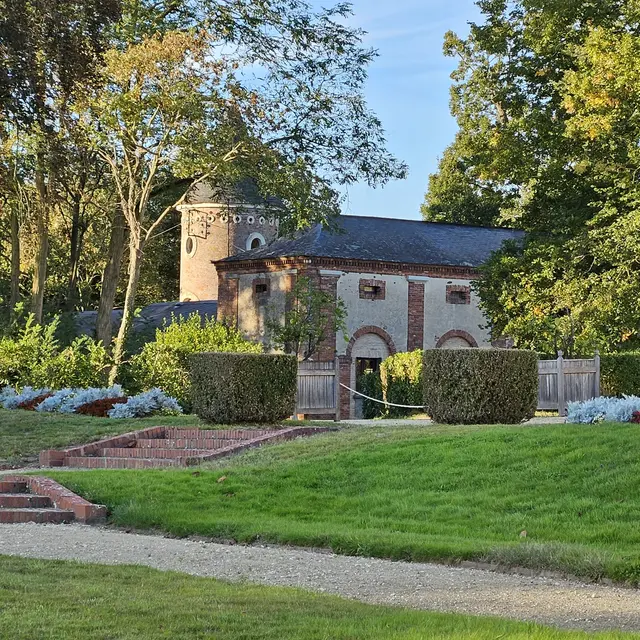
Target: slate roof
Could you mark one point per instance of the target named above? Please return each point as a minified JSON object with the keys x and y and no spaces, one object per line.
{"x":151,"y":317}
{"x":390,"y":240}
{"x":243,"y":192}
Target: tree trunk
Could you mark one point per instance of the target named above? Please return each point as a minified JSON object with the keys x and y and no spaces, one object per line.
{"x":74,"y":256}
{"x":135,"y":263}
{"x":110,"y":278}
{"x":42,"y":247}
{"x":14,"y":297}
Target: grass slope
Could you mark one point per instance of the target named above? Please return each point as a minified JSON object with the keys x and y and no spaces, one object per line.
{"x":23,"y":434}
{"x":70,"y":601}
{"x":410,"y":493}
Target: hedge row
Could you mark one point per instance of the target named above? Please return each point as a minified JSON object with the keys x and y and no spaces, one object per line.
{"x":229,"y":388}
{"x":480,"y":386}
{"x":620,"y":374}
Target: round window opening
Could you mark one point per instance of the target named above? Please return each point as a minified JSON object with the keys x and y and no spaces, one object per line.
{"x":255,"y":243}
{"x":190,"y":246}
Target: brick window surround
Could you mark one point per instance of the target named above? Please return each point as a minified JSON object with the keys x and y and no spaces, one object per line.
{"x":458,"y":294}
{"x":372,"y":289}
{"x":261,"y":289}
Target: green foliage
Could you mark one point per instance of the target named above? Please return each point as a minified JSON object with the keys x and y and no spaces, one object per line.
{"x":35,"y":358}
{"x":620,"y":374}
{"x":480,"y":386}
{"x":370,"y":384}
{"x":164,"y":363}
{"x":401,"y":378}
{"x":310,"y":316}
{"x":546,"y":97}
{"x":230,"y":388}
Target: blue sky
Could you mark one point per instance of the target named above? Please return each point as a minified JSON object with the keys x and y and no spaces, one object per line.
{"x":408,"y":88}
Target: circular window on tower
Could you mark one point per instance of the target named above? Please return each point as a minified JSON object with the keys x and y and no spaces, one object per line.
{"x":190,"y":246}
{"x":255,"y":241}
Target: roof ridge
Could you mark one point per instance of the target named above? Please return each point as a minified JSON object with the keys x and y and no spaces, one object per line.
{"x":430,"y":222}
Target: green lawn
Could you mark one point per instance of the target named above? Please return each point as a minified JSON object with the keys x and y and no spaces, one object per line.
{"x":69,"y":601}
{"x":438,"y":493}
{"x":23,"y":434}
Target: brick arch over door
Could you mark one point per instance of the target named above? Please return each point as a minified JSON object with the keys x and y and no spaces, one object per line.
{"x":456,"y":333}
{"x":362,"y":331}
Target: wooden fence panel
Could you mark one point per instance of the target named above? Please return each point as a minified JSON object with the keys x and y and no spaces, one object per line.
{"x":562,"y":381}
{"x":318,"y":386}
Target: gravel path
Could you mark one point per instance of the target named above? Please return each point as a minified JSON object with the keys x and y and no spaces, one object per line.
{"x":421,"y":586}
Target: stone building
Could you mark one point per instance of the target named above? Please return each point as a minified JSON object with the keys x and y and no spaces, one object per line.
{"x":406,"y":284}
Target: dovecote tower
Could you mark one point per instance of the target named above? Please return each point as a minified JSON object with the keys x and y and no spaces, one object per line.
{"x":217,"y":223}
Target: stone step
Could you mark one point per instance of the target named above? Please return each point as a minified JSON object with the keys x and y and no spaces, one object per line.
{"x":24,"y":500}
{"x":206,"y":444}
{"x":216,"y":434}
{"x":152,"y":453}
{"x":120,"y":463}
{"x":51,"y":516}
{"x":10,"y":486}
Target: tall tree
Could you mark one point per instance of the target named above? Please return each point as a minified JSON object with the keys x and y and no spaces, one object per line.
{"x":47,"y":51}
{"x":283,"y":106}
{"x":525,"y":131}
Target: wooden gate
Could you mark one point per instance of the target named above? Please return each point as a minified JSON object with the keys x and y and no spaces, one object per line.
{"x":319,"y":389}
{"x":562,"y":381}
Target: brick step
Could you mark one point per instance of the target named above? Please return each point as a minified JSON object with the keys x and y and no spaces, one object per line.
{"x":10,"y":486}
{"x":52,"y":516}
{"x":85,"y":462}
{"x":216,"y":434}
{"x":24,"y":500}
{"x":152,"y":453}
{"x":186,"y":443}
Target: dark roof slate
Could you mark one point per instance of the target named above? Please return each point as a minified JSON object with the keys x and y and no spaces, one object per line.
{"x":390,"y":240}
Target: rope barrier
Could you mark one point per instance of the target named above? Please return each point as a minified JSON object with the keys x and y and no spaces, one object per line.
{"x":387,"y":404}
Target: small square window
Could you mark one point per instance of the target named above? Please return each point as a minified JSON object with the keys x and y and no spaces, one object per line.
{"x":262,"y":287}
{"x":372,"y":289}
{"x":458,"y":294}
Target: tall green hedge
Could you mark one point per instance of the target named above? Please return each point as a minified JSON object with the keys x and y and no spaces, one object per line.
{"x":480,"y":386}
{"x":620,"y":374}
{"x":229,"y":388}
{"x":401,"y":378}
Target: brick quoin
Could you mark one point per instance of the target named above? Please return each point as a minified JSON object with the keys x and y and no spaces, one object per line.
{"x":228,"y":299}
{"x":415,"y":328}
{"x":327,"y":348}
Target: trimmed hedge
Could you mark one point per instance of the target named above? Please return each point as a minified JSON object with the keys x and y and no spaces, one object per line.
{"x":620,"y":374}
{"x":480,"y":386}
{"x":230,"y":388}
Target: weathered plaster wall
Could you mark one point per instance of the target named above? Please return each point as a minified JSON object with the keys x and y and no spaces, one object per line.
{"x":441,"y":316}
{"x":254,"y":308}
{"x":389,"y":314}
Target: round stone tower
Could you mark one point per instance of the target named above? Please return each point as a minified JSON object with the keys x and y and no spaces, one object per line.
{"x":217,"y":223}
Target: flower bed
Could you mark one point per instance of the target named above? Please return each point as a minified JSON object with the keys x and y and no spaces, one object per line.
{"x":625,"y":409}
{"x":104,"y":402}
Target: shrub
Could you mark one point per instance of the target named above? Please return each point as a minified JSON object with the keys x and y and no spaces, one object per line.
{"x":620,"y":373}
{"x":603,"y":409}
{"x":27,"y":394}
{"x":370,"y":384}
{"x":100,"y":408}
{"x":84,"y":396}
{"x":480,"y":386}
{"x":6,"y":393}
{"x":30,"y":405}
{"x":401,"y":380}
{"x":164,"y":363}
{"x":229,"y":388}
{"x":54,"y":401}
{"x":149,"y":403}
{"x":34,"y":358}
